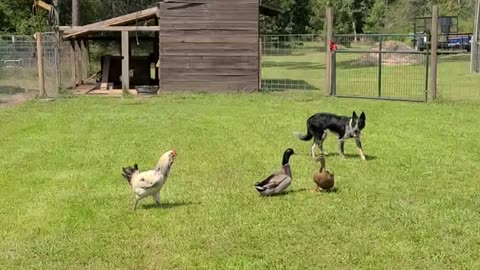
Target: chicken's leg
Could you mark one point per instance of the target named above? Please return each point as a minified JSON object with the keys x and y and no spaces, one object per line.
{"x":156,"y":197}
{"x":135,"y":204}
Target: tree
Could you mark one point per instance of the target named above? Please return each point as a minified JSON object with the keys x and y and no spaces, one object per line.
{"x":75,"y":13}
{"x":374,"y":21}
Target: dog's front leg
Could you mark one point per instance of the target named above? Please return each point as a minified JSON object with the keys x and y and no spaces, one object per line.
{"x":359,"y":147}
{"x":341,"y":144}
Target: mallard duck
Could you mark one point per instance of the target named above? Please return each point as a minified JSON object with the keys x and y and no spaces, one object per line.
{"x":279,"y":181}
{"x":323,"y":178}
{"x":149,"y":183}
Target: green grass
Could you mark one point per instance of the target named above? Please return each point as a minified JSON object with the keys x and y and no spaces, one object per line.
{"x":64,"y":205}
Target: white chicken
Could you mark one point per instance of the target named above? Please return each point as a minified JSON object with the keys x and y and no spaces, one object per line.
{"x":149,"y":183}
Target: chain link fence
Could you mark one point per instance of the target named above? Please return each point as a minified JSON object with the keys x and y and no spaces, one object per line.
{"x":19,"y":67}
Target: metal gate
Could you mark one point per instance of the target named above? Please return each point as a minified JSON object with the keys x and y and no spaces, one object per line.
{"x":379,"y":67}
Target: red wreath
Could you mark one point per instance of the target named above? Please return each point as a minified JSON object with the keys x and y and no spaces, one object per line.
{"x":333,"y":46}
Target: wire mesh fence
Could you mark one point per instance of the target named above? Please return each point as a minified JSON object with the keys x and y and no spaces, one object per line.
{"x":19,"y":67}
{"x":379,"y":66}
{"x":293,"y":62}
{"x":454,"y":80}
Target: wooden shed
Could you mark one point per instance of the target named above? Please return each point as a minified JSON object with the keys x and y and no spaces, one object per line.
{"x":205,"y":45}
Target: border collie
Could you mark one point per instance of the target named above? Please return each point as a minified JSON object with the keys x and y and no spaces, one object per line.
{"x":343,"y":126}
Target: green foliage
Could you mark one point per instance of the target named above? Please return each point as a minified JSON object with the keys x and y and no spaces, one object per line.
{"x":299,"y":17}
{"x":375,"y":20}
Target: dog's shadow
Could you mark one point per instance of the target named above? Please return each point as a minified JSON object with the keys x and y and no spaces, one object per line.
{"x":168,"y":205}
{"x":348,"y":156}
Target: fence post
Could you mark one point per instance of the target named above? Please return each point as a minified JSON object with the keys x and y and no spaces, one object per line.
{"x":58,"y":78}
{"x":433,"y":57}
{"x":260,"y":47}
{"x":427,"y":55}
{"x":380,"y":43}
{"x":474,"y":47}
{"x":41,"y":72}
{"x":328,"y":63}
{"x":125,"y":62}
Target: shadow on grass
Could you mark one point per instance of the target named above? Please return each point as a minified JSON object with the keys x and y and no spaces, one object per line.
{"x":288,"y":192}
{"x":168,"y":205}
{"x":293,"y":65}
{"x":332,"y":190}
{"x":347,"y":156}
{"x":286,"y":84}
{"x":11,"y":90}
{"x":454,"y":58}
{"x":356,"y":156}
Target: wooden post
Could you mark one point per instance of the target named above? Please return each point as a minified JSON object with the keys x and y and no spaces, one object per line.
{"x":433,"y":58}
{"x":58,"y":75}
{"x":158,"y":65}
{"x":125,"y":62}
{"x":85,"y":60}
{"x":260,"y":46}
{"x":475,"y":50}
{"x":73,"y":64}
{"x":41,"y":72}
{"x":328,"y":63}
{"x":78,"y":62}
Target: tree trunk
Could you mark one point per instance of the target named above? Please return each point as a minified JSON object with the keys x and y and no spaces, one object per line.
{"x":75,"y":12}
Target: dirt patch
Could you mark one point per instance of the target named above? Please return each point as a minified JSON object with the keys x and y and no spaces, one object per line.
{"x":16,"y":99}
{"x":403,"y":57}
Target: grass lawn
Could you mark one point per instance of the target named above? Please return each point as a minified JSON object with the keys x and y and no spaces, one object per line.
{"x":64,"y":205}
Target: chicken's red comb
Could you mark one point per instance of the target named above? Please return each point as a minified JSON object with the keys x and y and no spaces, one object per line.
{"x":174,"y":152}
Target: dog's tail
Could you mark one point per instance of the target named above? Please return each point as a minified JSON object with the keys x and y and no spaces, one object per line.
{"x":305,"y":137}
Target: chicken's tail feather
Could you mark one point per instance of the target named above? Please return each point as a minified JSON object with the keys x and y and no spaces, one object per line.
{"x":129,"y":171}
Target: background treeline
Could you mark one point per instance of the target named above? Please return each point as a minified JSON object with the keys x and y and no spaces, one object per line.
{"x":300,"y":16}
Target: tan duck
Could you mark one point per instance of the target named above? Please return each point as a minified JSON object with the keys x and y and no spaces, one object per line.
{"x":279,"y":181}
{"x":324,"y":179}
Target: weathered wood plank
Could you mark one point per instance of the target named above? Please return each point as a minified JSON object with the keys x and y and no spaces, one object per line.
{"x":208,"y":45}
{"x":210,"y":39}
{"x":211,"y":47}
{"x":204,"y":65}
{"x":207,"y":24}
{"x":210,"y":86}
{"x":210,"y":71}
{"x":216,"y":60}
{"x":135,"y":16}
{"x":125,"y":61}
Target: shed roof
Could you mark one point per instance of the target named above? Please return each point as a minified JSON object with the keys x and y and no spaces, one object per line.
{"x":138,"y":16}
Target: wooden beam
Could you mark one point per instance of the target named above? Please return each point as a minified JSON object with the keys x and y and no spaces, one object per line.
{"x":474,"y":47}
{"x":121,"y":20}
{"x":112,"y":29}
{"x":329,"y":64}
{"x":125,"y":62}
{"x":41,"y":73}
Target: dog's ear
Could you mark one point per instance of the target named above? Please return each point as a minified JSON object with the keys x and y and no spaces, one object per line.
{"x":354,"y":115}
{"x":363,"y":116}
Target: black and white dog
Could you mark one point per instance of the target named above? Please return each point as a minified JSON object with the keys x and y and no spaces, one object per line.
{"x":343,"y":126}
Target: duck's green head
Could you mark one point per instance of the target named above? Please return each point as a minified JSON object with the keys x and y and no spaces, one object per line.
{"x":286,"y":155}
